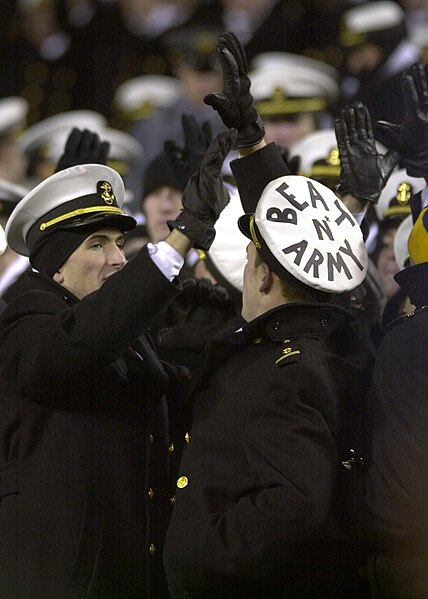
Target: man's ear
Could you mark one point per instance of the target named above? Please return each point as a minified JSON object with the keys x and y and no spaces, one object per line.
{"x":58,"y":277}
{"x":266,"y":280}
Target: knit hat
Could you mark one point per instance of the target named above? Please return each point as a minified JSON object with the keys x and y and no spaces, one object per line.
{"x":159,"y":173}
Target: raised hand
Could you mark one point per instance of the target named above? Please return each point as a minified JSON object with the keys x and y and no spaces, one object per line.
{"x":236,"y":105}
{"x":185,"y":161}
{"x":364,"y":171}
{"x":83,"y":147}
{"x":205,"y":196}
{"x":410,"y":138}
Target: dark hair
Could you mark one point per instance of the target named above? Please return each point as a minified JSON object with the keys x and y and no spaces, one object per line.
{"x":299,"y":293}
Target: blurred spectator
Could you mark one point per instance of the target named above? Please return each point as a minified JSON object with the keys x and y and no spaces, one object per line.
{"x":293,"y":94}
{"x":36,"y":142}
{"x":44,"y":143}
{"x":122,"y":42}
{"x":392,"y":209}
{"x":12,"y":265}
{"x":13,"y":116}
{"x":162,"y":197}
{"x":417,"y":22}
{"x":139,"y":97}
{"x":191,"y":54}
{"x":36,"y":63}
{"x":377,"y":50}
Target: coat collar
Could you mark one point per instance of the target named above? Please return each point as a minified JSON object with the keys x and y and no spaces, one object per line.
{"x":45,"y":283}
{"x":414,"y":281}
{"x":298,"y":319}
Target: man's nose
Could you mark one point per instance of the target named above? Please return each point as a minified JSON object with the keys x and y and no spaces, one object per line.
{"x":116,"y":257}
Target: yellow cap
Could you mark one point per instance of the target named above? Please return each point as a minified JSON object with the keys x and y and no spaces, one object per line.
{"x":418,"y":239}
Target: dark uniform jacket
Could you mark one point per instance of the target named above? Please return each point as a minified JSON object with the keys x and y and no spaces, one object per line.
{"x":257,"y":480}
{"x":397,"y":499}
{"x":271,"y":420}
{"x":78,"y":391}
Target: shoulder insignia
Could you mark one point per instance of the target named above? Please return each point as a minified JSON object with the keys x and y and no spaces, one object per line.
{"x":290,"y":353}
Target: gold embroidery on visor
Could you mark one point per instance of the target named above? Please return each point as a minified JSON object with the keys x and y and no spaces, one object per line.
{"x":79,"y":212}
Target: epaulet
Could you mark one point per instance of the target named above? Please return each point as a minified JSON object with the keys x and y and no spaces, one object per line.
{"x":289,"y":354}
{"x":405,"y":317}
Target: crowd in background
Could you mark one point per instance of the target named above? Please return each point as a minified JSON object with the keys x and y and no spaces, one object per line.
{"x":132,"y":76}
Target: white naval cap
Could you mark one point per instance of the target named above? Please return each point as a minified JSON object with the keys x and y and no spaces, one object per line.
{"x":318,"y":155}
{"x":81,"y":196}
{"x":40,"y":135}
{"x":137,"y":98}
{"x":401,"y":250}
{"x":301,"y":228}
{"x":283,"y":83}
{"x":13,"y":115}
{"x":10,"y":195}
{"x":3,"y":244}
{"x":358,"y":22}
{"x":394,"y":201}
{"x":228,"y":250}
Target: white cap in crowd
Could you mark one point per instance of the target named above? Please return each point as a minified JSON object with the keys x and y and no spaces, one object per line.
{"x":137,"y":98}
{"x":124,"y":150}
{"x":359,"y":23}
{"x":3,"y":244}
{"x":38,"y":136}
{"x":13,"y":116}
{"x":394,"y":201}
{"x":284,"y":83}
{"x":318,"y":155}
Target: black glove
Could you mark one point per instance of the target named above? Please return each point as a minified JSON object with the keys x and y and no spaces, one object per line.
{"x":205,"y":195}
{"x":410,"y":138}
{"x":185,"y":161}
{"x":364,"y":172}
{"x":235,"y":105}
{"x":200,"y":309}
{"x":83,"y":147}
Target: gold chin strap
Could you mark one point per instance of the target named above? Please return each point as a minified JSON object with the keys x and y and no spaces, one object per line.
{"x":253,"y":232}
{"x":80,"y":212}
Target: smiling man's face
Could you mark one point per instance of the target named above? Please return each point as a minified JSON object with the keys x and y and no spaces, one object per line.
{"x":98,"y":257}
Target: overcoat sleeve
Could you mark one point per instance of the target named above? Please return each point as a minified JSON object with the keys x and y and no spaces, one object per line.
{"x":44,"y":342}
{"x":253,"y":172}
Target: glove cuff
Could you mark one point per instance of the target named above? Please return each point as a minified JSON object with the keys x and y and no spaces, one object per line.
{"x":343,"y":190}
{"x":198,"y":231}
{"x":250,"y":135}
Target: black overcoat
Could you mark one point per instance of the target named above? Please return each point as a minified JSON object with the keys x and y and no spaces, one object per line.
{"x":397,"y":499}
{"x":257,"y":480}
{"x":79,"y":383}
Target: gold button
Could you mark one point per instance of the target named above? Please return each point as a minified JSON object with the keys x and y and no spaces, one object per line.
{"x":187,"y":437}
{"x":257,"y":340}
{"x":171,"y":448}
{"x":151,"y":438}
{"x":173,"y":500}
{"x":151,"y":493}
{"x":182,"y":482}
{"x":152,"y":549}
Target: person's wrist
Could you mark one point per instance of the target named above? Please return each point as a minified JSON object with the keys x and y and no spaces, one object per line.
{"x":251,"y":134}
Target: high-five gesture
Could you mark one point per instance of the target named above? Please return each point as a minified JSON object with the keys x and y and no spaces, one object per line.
{"x":235,"y":105}
{"x":205,"y":195}
{"x":410,"y":138}
{"x":364,"y":172}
